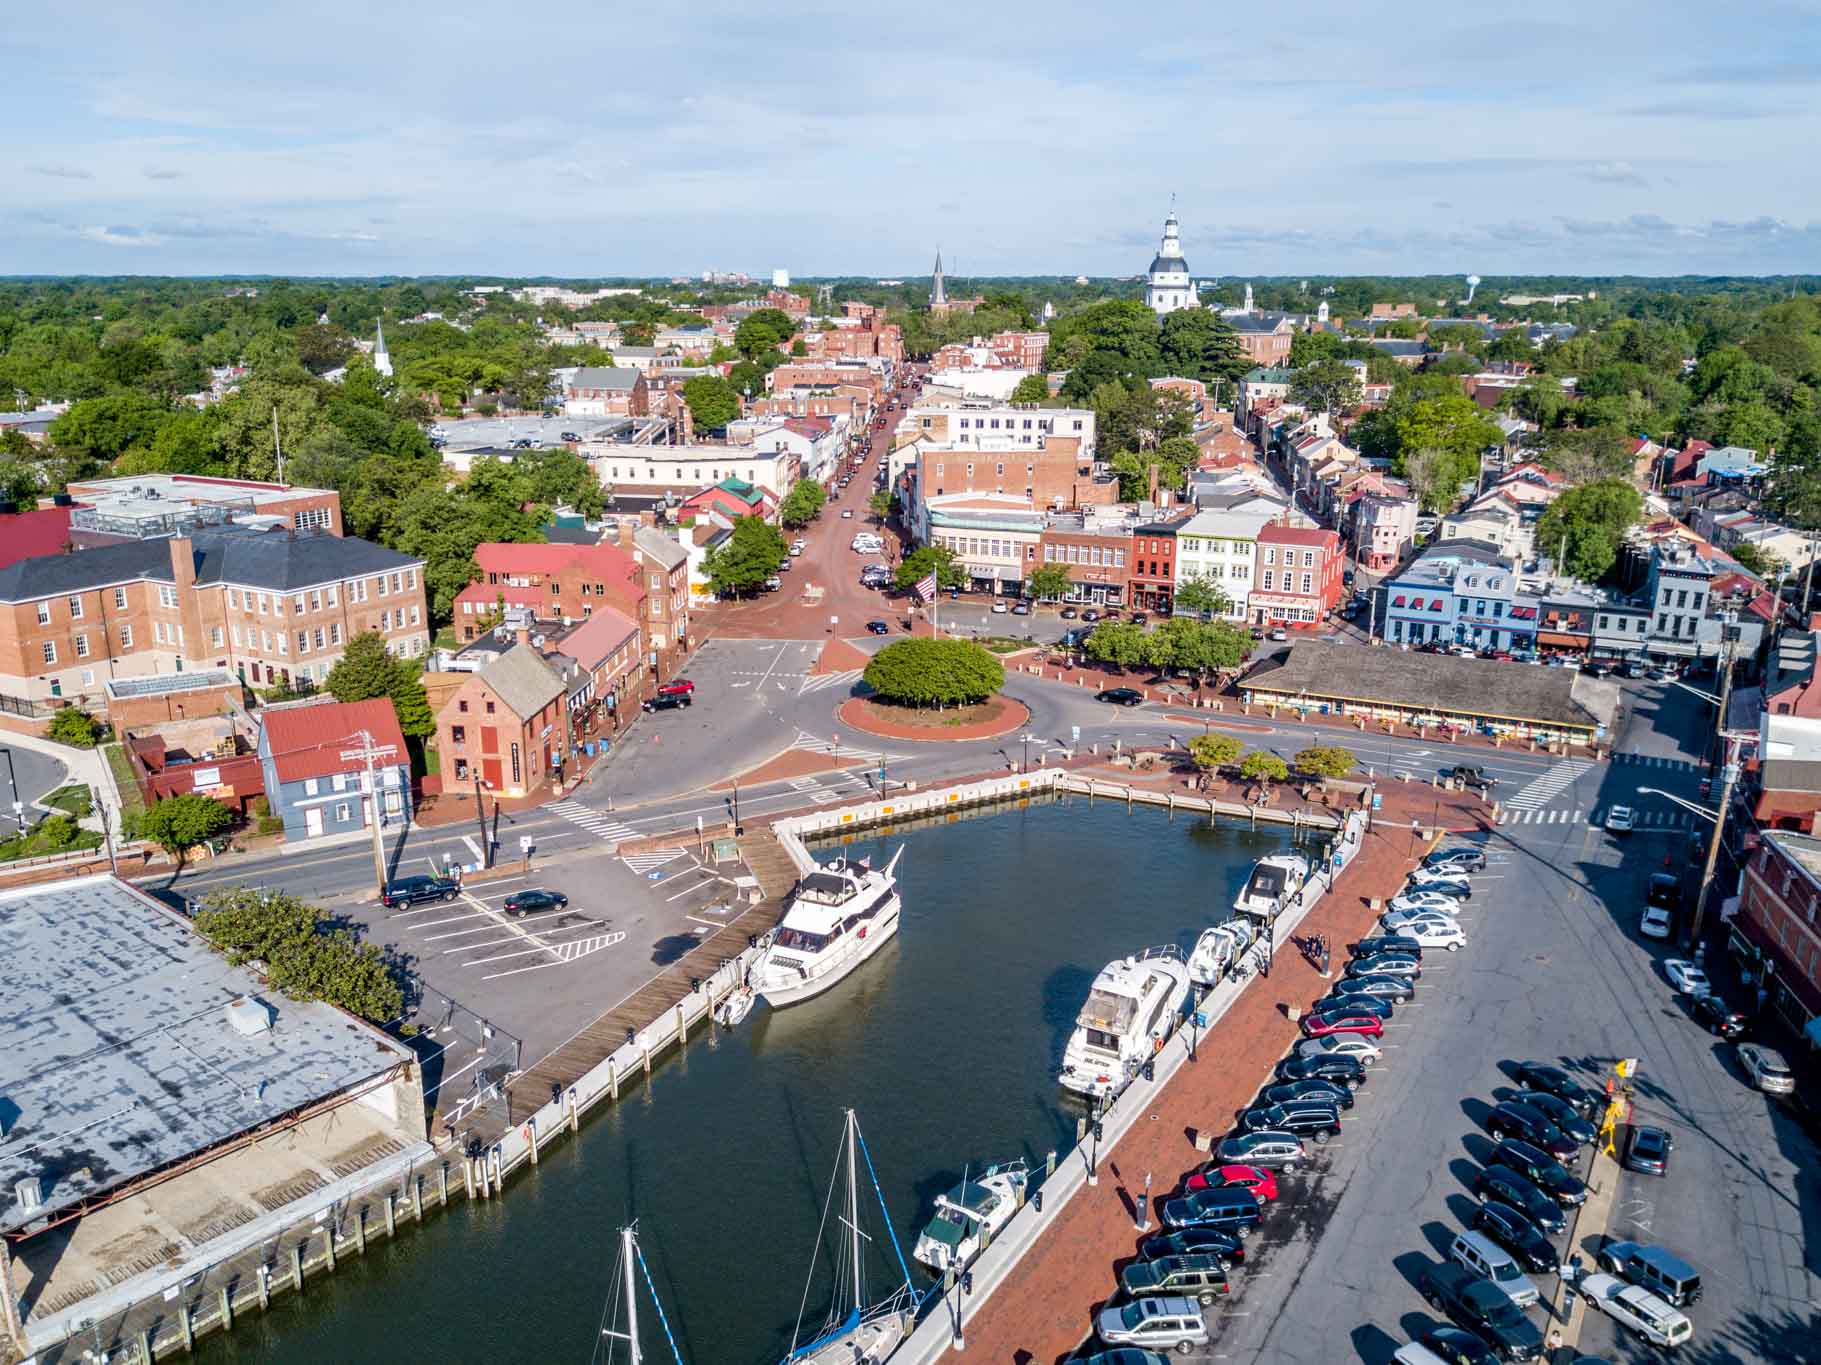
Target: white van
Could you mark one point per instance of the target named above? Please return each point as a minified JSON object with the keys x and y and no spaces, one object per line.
{"x":1478,"y":1253}
{"x":1637,"y":1308}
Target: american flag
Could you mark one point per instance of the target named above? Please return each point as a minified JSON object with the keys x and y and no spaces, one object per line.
{"x":926,"y":588}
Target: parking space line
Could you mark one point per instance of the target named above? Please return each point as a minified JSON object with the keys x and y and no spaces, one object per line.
{"x":497,"y":957}
{"x":486,"y":928}
{"x":457,"y":919}
{"x":474,"y":848}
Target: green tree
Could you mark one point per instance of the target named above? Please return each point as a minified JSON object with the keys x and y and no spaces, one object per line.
{"x":1264,"y":769}
{"x":75,"y":727}
{"x":1198,"y":647}
{"x":304,"y":954}
{"x":803,"y":504}
{"x":925,"y":560}
{"x":882,"y":504}
{"x":761,"y":332}
{"x":1049,"y":582}
{"x":749,"y":556}
{"x":1033,"y":388}
{"x":713,"y":402}
{"x":104,"y":428}
{"x":178,"y":823}
{"x":1325,"y":761}
{"x":927,"y":672}
{"x":1757,"y":559}
{"x":1436,"y":476}
{"x":1197,"y":343}
{"x":1329,"y":386}
{"x":1589,"y":523}
{"x":1201,"y":596}
{"x":1213,"y":751}
{"x":1119,"y":643}
{"x":366,"y":669}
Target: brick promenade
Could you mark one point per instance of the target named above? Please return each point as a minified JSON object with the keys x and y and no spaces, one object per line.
{"x":1046,"y":1306}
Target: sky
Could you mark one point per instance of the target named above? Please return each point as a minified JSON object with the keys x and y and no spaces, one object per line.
{"x":1675,"y":137}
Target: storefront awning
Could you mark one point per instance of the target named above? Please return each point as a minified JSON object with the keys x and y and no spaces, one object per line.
{"x":1398,"y":601}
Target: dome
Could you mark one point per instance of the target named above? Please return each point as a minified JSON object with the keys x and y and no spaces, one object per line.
{"x":1167,"y":265}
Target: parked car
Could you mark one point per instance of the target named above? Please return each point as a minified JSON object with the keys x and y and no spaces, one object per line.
{"x":879,"y":627}
{"x":1161,"y":1324}
{"x":1193,"y":1242}
{"x":1635,"y":1307}
{"x":1555,"y":1081}
{"x":1435,"y":933}
{"x":1201,"y":1277}
{"x":1386,"y":964}
{"x":1274,"y":1151}
{"x":1234,"y":1210}
{"x":1279,"y":635}
{"x":1021,"y":609}
{"x":1345,"y":1044}
{"x":409,"y":891}
{"x":1480,"y":1307}
{"x":1121,"y":696}
{"x":1664,"y":1274}
{"x":1090,"y":615}
{"x":1067,"y":613}
{"x":665,"y":701}
{"x":1446,"y":1345}
{"x":1446,"y":912}
{"x":1000,"y":606}
{"x":1442,"y":882}
{"x":1656,"y":922}
{"x":1508,"y":1187}
{"x":677,"y":687}
{"x":1221,"y":1176}
{"x":1394,"y":988}
{"x":1559,"y":1112}
{"x":1328,"y":1066}
{"x":1470,"y":774}
{"x":1513,"y":1120}
{"x":1457,"y":859}
{"x":533,"y":901}
{"x":1767,"y":1069}
{"x":1687,"y":977}
{"x":1343,"y":1021}
{"x":1476,"y":1252}
{"x":1375,"y":944}
{"x":1303,"y":1119}
{"x":1550,"y":1176}
{"x":1518,"y":1235}
{"x":1718,"y":1017}
{"x":1647,"y":1150}
{"x":1336,"y":1093}
{"x":1334,"y":1003}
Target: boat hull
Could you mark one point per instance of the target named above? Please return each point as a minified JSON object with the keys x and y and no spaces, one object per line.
{"x":868,"y":1344}
{"x":781,"y":987}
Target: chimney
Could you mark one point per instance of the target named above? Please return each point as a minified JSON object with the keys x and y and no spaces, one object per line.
{"x":625,"y":528}
{"x":647,"y":517}
{"x":524,"y":636}
{"x":183,"y":564}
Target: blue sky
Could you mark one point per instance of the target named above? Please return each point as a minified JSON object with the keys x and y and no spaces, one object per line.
{"x":1666,"y":138}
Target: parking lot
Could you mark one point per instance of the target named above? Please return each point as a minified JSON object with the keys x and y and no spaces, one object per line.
{"x":1554,"y":971}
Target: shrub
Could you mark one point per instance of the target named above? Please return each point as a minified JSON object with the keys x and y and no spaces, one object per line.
{"x":76,"y":727}
{"x":921,"y":672}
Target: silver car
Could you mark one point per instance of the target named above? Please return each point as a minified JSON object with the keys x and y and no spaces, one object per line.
{"x":1767,"y":1069}
{"x":1158,"y":1324}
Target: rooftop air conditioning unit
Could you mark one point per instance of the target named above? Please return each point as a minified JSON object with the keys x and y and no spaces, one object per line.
{"x":30,"y":1194}
{"x":249,"y":1016}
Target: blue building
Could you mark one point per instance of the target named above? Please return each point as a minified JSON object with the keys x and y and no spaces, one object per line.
{"x":1460,"y":592}
{"x":316,"y":777}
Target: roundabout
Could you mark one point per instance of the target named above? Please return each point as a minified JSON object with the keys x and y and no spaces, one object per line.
{"x":993,"y":718}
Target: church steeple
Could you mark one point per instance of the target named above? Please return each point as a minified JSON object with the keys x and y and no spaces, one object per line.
{"x":382,"y":359}
{"x":938,"y":294}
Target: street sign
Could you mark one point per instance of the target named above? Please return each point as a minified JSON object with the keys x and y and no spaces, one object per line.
{"x":524,"y":842}
{"x":1074,"y":734}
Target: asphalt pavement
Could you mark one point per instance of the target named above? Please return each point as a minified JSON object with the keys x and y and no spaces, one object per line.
{"x":30,"y":775}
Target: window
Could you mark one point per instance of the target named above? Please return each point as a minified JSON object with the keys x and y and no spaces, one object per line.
{"x":381,"y":580}
{"x":416,"y":610}
{"x":1270,"y":554}
{"x":50,"y":651}
{"x":411,"y":578}
{"x":335,"y":632}
{"x":489,"y":707}
{"x":342,"y":810}
{"x":1308,"y":581}
{"x":264,"y":603}
{"x":234,"y":631}
{"x":334,"y":598}
{"x":339,"y":781}
{"x":215,"y":637}
{"x":303,"y":642}
{"x":126,"y":637}
{"x":516,"y":775}
{"x":75,"y":608}
{"x":284,"y":646}
{"x":357,"y":590}
{"x":311,"y":518}
{"x":265,"y":642}
{"x":88,"y":680}
{"x":1663,"y":621}
{"x":120,"y":598}
{"x":1269,"y":575}
{"x":44,"y":613}
{"x":1308,"y":559}
{"x":319,"y":637}
{"x":398,"y":582}
{"x":462,"y":706}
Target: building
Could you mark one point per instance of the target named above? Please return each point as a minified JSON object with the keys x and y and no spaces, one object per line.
{"x":664,"y":563}
{"x":1296,"y":578}
{"x":1152,"y":585}
{"x":684,"y":470}
{"x":381,"y":357}
{"x":146,"y":506}
{"x":559,"y":582}
{"x":1170,"y":287}
{"x":1095,"y":553}
{"x":598,"y":391}
{"x":1219,"y":544}
{"x":974,"y":422}
{"x":730,"y":499}
{"x":504,"y":729}
{"x":1262,"y":383}
{"x":317,"y":779}
{"x":993,"y":536}
{"x":1048,"y":476}
{"x":1774,"y":936}
{"x":1383,"y":528}
{"x":155,"y":1090}
{"x":1264,"y":337}
{"x":270,"y":606}
{"x":26,"y":535}
{"x":818,"y":443}
{"x":1459,"y":592}
{"x":608,"y":648}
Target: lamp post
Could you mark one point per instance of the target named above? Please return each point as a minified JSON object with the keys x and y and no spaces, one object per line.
{"x":1024,"y":761}
{"x":1729,"y":775}
{"x":12,"y":791}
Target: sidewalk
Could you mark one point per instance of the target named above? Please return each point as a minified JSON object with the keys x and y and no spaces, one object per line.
{"x":80,"y":765}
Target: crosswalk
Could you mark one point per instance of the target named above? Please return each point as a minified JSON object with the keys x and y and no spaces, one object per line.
{"x":598,"y":823}
{"x":653,"y":858}
{"x":845,"y":679}
{"x":1678,"y":765}
{"x":1646,"y":819}
{"x":814,"y":790}
{"x":1542,"y":790}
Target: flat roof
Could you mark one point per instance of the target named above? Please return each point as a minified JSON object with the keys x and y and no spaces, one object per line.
{"x":119,"y":1057}
{"x":163,"y":684}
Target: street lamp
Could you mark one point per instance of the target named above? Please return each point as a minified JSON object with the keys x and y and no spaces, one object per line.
{"x":1729,"y":775}
{"x":1024,"y":763}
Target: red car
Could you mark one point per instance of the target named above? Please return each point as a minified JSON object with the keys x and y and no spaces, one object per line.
{"x":1261,"y":1182}
{"x":677,"y":687}
{"x":1343,"y":1021}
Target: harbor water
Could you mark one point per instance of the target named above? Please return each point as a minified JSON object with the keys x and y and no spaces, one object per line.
{"x":946,"y":1044}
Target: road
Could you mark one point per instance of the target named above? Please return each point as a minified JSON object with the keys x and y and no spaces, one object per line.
{"x":29,"y":775}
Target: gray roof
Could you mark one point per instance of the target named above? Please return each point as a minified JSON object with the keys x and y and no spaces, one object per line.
{"x":1394,"y":346}
{"x":660,"y":547}
{"x":1425,"y":682}
{"x":118,"y":1056}
{"x":1168,"y":265}
{"x":642,"y":352}
{"x":275,"y":560}
{"x":605,"y":377}
{"x":1257,"y":322}
{"x":524,"y":681}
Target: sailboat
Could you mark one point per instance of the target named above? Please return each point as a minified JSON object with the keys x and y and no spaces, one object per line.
{"x":856,"y":1333}
{"x":630,"y":1255}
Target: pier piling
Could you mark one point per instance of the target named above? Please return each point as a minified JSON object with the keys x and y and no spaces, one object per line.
{"x":297,"y":1267}
{"x":226,"y":1300}
{"x":360,"y":1230}
{"x":391,"y":1217}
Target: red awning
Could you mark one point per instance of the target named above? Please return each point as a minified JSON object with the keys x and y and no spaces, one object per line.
{"x":1436,"y":604}
{"x":1398,"y":602}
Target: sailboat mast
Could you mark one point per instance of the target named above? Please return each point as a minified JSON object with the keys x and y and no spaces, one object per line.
{"x":628,"y":1254}
{"x":853,"y":1207}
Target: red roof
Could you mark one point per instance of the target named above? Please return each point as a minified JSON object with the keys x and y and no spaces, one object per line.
{"x":28,"y":535}
{"x":308,"y":741}
{"x":1297,"y":535}
{"x":603,"y":561}
{"x":594,"y":641}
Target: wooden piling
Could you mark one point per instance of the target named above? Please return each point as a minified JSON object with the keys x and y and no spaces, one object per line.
{"x":417,"y":1198}
{"x":531,"y":1138}
{"x":682,"y":1025}
{"x":297,"y":1267}
{"x":391,"y":1216}
{"x":265,"y":1286}
{"x":226,"y":1299}
{"x":467,"y":1176}
{"x":330,"y":1244}
{"x":360,"y":1230}
{"x":442,"y":1185}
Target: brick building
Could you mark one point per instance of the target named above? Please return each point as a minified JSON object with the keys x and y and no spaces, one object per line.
{"x":874,"y":376}
{"x":1296,"y":577}
{"x":1382,"y":528}
{"x":1095,"y":557}
{"x":1152,"y":585}
{"x":602,"y":391}
{"x":555,"y":582}
{"x":1776,"y":934}
{"x":664,"y":563}
{"x":269,"y":606}
{"x":144,"y":506}
{"x":505,"y":728}
{"x":1264,"y":337}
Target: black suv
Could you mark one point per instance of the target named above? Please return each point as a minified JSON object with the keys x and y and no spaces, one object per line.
{"x":666,"y":701}
{"x":1540,"y":1076}
{"x":1202,"y":1241}
{"x":1483,"y":1309}
{"x":1328,"y":1066}
{"x":1304,"y":1118}
{"x":1550,"y":1175}
{"x":1513,"y":1120}
{"x":1508,"y":1187}
{"x":1470,"y":776}
{"x":1518,"y":1235}
{"x":1375,"y":944}
{"x":1559,"y":1112}
{"x":411,"y":890}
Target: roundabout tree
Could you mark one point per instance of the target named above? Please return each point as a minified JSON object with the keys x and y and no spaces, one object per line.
{"x":920,"y":672}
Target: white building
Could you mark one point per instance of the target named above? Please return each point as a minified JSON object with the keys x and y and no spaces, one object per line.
{"x":382,"y":358}
{"x":1170,"y":287}
{"x":686,"y":470}
{"x":973,"y":422}
{"x":1221,"y":546}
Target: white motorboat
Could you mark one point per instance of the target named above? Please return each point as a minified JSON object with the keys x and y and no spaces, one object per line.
{"x":969,"y":1216}
{"x":1273,"y":885}
{"x":1131,"y":1009}
{"x":734,"y":1007}
{"x":839,"y":915}
{"x":1218,"y":949}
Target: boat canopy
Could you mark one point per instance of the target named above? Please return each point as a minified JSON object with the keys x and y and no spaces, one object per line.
{"x":947,"y":1227}
{"x":1107,"y":1011}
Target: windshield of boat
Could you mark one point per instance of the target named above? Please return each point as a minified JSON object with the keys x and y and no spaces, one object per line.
{"x":826,"y":888}
{"x":1108,"y":1012}
{"x":801,"y":941}
{"x":1268,"y":882}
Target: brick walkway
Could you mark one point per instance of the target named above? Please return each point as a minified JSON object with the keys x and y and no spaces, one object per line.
{"x":1045,"y":1308}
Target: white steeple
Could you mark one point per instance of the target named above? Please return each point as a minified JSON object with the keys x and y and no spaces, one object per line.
{"x":1248,"y":300}
{"x":1170,"y":287}
{"x":382,"y":359}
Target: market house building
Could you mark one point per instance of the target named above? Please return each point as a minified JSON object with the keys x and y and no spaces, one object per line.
{"x":1435,"y":691}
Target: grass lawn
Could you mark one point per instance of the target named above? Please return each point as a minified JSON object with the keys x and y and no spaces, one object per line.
{"x":34,"y":845}
{"x":73,"y":800}
{"x":1005,"y":644}
{"x":132,"y":805}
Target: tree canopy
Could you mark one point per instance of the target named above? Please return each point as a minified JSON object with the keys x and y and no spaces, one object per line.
{"x":367,"y":669}
{"x":305,"y":954}
{"x":928,"y":672}
{"x":1033,"y":388}
{"x":1591,"y":522}
{"x":713,"y":402}
{"x":803,"y":504}
{"x":1325,"y":761}
{"x":750,"y":555}
{"x":1049,"y":582}
{"x":927,"y":559}
{"x":181,"y":822}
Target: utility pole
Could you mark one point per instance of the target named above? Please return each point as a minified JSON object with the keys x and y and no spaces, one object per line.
{"x":367,"y":752}
{"x":1730,"y":631}
{"x":278,"y":450}
{"x":1730,"y":771}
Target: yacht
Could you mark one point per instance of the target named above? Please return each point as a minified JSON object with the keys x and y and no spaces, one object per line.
{"x":1273,"y":884}
{"x":1218,"y":948}
{"x":970,"y":1215}
{"x":1130,"y":1010}
{"x":838,"y":916}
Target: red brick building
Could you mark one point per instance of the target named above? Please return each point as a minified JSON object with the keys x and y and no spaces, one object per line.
{"x":1051,"y":473}
{"x":505,"y":727}
{"x":1097,"y":562}
{"x":1776,"y":934}
{"x":557,"y":582}
{"x":1296,"y":576}
{"x":1152,"y":585}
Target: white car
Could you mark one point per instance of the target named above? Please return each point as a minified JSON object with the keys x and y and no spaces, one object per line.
{"x":1768,"y":1071}
{"x":1621,"y":819}
{"x":1404,"y":921}
{"x":1000,"y":608}
{"x":1637,"y":1308}
{"x":1655,"y":922}
{"x":1426,"y":900}
{"x":1434,"y":934}
{"x":1686,"y":977}
{"x":847,"y":514}
{"x":796,"y":552}
{"x":1345,"y":1044}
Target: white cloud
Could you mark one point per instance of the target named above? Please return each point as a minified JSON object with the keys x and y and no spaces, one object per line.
{"x":119,"y":236}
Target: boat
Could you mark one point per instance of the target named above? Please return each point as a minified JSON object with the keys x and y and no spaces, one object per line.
{"x":1131,"y":1008}
{"x":1273,"y":884}
{"x":856,"y":1333}
{"x":970,"y":1215}
{"x":626,"y":1295}
{"x":838,"y":916}
{"x":1217,"y":949}
{"x":734,"y":1007}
